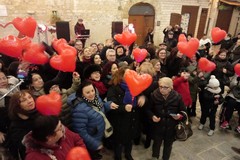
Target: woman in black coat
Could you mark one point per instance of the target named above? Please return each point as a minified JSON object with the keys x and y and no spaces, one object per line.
{"x":224,"y":70}
{"x":165,"y":112}
{"x":125,"y":119}
{"x":22,"y":112}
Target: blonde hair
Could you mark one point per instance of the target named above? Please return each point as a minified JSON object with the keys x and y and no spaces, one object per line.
{"x":154,"y":61}
{"x":166,"y":81}
{"x":148,"y":68}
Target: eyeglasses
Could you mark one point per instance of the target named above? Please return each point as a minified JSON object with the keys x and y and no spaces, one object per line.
{"x":163,"y":87}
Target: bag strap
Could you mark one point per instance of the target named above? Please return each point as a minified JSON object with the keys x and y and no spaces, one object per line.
{"x":107,"y":123}
{"x":187,"y":120}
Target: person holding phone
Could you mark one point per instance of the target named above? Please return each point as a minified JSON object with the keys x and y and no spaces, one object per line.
{"x":165,"y":112}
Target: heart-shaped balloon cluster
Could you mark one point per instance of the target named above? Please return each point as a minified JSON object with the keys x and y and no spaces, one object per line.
{"x":205,"y":65}
{"x":26,"y":26}
{"x":49,"y":104}
{"x":137,"y":83}
{"x":218,"y":34}
{"x":237,"y":69}
{"x":78,"y":153}
{"x":13,"y":46}
{"x":188,"y":48}
{"x":66,"y":58}
{"x":126,"y":38}
{"x":34,"y":53}
{"x":139,"y":54}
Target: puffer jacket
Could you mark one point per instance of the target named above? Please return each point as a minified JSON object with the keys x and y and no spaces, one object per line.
{"x":87,"y":122}
{"x":161,"y":107}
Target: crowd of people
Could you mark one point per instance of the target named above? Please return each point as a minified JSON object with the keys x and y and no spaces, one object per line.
{"x":98,"y":109}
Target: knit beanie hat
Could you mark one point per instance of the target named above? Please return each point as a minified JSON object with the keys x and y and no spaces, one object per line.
{"x":49,"y":84}
{"x":213,"y":82}
{"x":90,"y":69}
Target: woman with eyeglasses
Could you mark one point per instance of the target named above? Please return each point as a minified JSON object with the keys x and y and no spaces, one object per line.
{"x":164,"y":112}
{"x":50,"y":139}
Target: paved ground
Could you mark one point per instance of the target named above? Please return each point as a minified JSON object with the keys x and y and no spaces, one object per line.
{"x":198,"y":147}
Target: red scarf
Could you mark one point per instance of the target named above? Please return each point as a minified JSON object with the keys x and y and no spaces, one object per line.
{"x":100,"y":87}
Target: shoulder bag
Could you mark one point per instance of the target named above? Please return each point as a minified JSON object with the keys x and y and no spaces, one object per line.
{"x":183,"y":129}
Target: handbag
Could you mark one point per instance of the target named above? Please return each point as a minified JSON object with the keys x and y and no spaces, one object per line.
{"x":183,"y":129}
{"x":108,"y":128}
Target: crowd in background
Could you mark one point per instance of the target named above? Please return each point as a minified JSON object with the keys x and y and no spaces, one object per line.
{"x":98,"y":109}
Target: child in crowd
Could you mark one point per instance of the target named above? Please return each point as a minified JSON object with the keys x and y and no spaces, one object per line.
{"x":212,"y":98}
{"x":181,"y":85}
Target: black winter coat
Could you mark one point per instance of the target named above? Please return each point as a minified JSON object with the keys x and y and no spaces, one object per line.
{"x":18,"y":129}
{"x":126,"y":125}
{"x":161,"y":107}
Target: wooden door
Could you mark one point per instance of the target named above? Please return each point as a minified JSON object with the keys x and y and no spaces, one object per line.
{"x":193,"y":11}
{"x":224,"y":18}
{"x":148,"y":23}
{"x":138,"y":22}
{"x":175,"y":19}
{"x":141,"y":24}
{"x":202,"y":23}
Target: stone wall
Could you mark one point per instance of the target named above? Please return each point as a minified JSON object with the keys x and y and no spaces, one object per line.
{"x":97,"y":14}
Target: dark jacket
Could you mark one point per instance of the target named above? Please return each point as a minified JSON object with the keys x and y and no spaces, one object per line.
{"x":209,"y":98}
{"x":125,"y":124}
{"x":235,"y":53}
{"x":17,"y":130}
{"x":161,"y":107}
{"x":218,"y":72}
{"x":38,"y":150}
{"x":78,"y":28}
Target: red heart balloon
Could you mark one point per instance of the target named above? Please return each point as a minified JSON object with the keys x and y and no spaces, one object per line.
{"x":137,"y":83}
{"x":26,"y":26}
{"x":218,"y":34}
{"x":57,"y":42}
{"x":62,"y":47}
{"x":49,"y":104}
{"x":182,"y":38}
{"x":34,"y":54}
{"x":139,"y":54}
{"x":65,"y":62}
{"x":237,"y":69}
{"x":126,"y":38}
{"x":25,"y":41}
{"x":188,"y":48}
{"x":129,"y":38}
{"x":119,"y":38}
{"x":205,"y":65}
{"x":11,"y":46}
{"x":78,"y":153}
{"x":5,"y":25}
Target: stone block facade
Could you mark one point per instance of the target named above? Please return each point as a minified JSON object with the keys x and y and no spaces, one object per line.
{"x":97,"y":14}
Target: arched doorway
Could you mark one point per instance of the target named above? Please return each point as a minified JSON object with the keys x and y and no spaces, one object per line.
{"x":141,"y":15}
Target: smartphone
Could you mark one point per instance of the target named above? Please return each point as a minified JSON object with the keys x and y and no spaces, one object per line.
{"x":21,"y":74}
{"x":173,"y":114}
